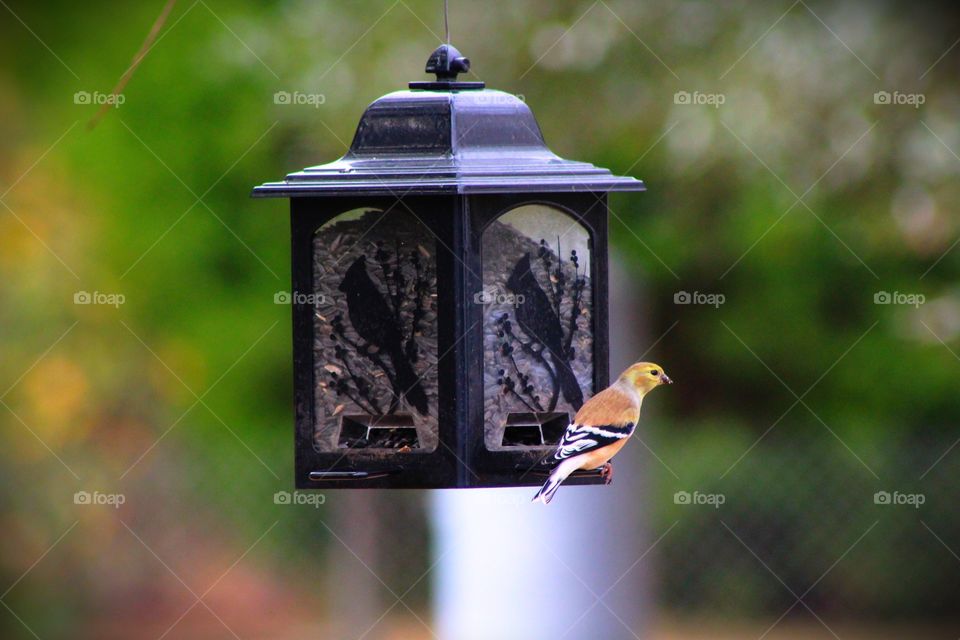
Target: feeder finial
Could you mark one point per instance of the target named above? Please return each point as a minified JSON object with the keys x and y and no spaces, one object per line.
{"x":447,"y":63}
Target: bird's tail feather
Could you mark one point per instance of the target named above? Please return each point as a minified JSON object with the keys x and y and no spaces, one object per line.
{"x":409,"y":382}
{"x":568,"y":382}
{"x":549,"y":488}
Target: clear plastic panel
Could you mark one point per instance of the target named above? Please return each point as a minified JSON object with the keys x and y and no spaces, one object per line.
{"x":375,"y":297}
{"x":537,"y":326}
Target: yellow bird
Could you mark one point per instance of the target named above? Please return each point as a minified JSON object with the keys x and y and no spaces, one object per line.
{"x":602,"y":426}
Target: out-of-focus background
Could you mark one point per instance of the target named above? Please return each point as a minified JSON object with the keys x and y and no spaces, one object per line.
{"x":793,"y":265}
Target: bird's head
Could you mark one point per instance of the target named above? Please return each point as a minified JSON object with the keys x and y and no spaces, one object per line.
{"x":355,"y":275}
{"x":644,"y":376}
{"x":521,"y":274}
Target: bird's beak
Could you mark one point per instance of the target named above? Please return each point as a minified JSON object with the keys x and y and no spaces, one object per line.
{"x":666,"y":379}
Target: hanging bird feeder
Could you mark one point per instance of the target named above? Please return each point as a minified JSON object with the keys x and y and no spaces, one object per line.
{"x":450,"y":293}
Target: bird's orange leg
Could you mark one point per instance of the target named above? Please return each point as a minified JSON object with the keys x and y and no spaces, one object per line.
{"x":606,"y":472}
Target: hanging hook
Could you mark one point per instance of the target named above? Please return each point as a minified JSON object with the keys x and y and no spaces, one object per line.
{"x":447,"y":63}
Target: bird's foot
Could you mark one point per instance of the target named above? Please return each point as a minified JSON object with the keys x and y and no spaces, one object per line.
{"x":606,"y":472}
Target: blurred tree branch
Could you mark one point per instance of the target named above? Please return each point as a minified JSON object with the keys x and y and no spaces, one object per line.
{"x":137,"y":59}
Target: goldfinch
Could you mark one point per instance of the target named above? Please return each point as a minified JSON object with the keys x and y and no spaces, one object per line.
{"x":602,"y":426}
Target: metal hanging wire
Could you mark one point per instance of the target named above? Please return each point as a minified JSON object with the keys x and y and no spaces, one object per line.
{"x":446,"y":21}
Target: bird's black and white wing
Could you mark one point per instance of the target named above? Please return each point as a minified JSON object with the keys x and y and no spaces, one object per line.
{"x":580,"y":438}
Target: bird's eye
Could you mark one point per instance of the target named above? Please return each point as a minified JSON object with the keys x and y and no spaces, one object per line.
{"x":654,"y":373}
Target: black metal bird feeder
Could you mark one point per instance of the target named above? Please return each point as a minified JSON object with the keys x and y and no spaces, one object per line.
{"x":450,"y":288}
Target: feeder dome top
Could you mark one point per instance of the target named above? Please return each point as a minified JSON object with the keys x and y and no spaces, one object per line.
{"x":447,"y":136}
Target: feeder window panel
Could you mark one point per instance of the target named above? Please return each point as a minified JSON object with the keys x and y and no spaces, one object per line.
{"x":375,"y":351}
{"x":537,"y":326}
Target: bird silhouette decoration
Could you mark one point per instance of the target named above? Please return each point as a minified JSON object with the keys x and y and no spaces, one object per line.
{"x":538,"y":319}
{"x":379,"y":325}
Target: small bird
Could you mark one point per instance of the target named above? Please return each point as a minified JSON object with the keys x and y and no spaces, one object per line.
{"x":538,"y":319}
{"x":602,"y":426}
{"x":376,"y":323}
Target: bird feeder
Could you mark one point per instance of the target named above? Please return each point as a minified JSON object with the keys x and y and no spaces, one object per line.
{"x":449,"y":293}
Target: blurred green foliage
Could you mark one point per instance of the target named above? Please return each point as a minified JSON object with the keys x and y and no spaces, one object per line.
{"x":153,"y":204}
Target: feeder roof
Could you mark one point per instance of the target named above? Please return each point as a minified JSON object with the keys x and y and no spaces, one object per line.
{"x":447,"y":137}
